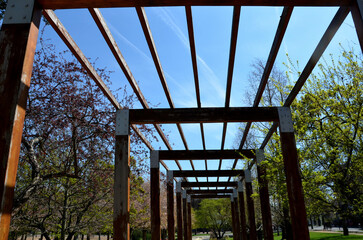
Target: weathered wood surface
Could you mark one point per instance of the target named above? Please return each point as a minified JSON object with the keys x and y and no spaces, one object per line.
{"x":205,"y":115}
{"x":179,"y":215}
{"x":193,"y":191}
{"x":209,"y":184}
{"x":205,"y":154}
{"x":67,"y":4}
{"x":251,"y":211}
{"x":208,"y":173}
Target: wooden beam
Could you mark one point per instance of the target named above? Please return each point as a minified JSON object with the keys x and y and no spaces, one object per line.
{"x":357,"y":14}
{"x":232,"y":53}
{"x":170,"y":203}
{"x":111,"y":42}
{"x":319,"y":50}
{"x":250,"y":205}
{"x":189,"y":204}
{"x":264,"y":196}
{"x":208,"y":184}
{"x":179,"y":211}
{"x":18,"y":41}
{"x":242,"y":211}
{"x":208,"y":173}
{"x":280,"y":33}
{"x":121,"y":225}
{"x":233,"y":213}
{"x":204,"y":196}
{"x":185,"y":215}
{"x":205,"y":154}
{"x":293,"y":177}
{"x":192,"y":191}
{"x":155,"y":195}
{"x":68,"y":4}
{"x":205,"y":115}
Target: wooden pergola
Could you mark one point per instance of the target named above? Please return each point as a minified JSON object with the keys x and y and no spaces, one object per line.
{"x":18,"y":38}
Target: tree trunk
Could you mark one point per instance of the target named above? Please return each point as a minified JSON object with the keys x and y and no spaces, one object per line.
{"x":108,"y":236}
{"x":99,"y":236}
{"x":312,"y":223}
{"x":345,"y":227}
{"x":143,"y":234}
{"x":64,"y":212}
{"x":88,"y":236}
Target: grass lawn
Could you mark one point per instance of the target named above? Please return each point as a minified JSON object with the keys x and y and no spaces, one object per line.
{"x":329,"y":236}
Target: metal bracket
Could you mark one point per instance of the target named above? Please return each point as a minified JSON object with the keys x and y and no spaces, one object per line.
{"x":154,"y":159}
{"x":170,"y":176}
{"x":189,"y":199}
{"x":260,"y":156}
{"x":240,"y":187}
{"x":19,"y":12}
{"x":235,"y":193}
{"x":285,"y":119}
{"x":178,"y":187}
{"x":248,"y":176}
{"x":122,"y":122}
{"x":184,"y":193}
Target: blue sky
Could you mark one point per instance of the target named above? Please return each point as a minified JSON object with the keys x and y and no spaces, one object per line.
{"x":212,"y":30}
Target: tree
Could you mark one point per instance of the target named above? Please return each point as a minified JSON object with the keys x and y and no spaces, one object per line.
{"x":2,"y":8}
{"x":215,"y":214}
{"x":329,"y":124}
{"x":65,"y":174}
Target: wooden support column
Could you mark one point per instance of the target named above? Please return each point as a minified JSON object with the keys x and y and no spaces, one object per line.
{"x":234,"y":229}
{"x":18,"y":40}
{"x":179,"y":213}
{"x":121,"y":228}
{"x":155,"y":195}
{"x":293,"y":177}
{"x":357,"y":14}
{"x":250,"y":205}
{"x":238,"y":230}
{"x":189,"y":201}
{"x":170,"y":203}
{"x":264,"y":196}
{"x":242,"y":213}
{"x":185,"y":215}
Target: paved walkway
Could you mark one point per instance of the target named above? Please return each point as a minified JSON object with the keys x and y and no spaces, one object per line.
{"x":336,"y":229}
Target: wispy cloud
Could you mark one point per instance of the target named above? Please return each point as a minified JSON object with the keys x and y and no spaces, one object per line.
{"x":125,"y":40}
{"x":167,"y":17}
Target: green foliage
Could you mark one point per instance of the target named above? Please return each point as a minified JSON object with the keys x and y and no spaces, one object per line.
{"x":2,"y":8}
{"x":214,"y":214}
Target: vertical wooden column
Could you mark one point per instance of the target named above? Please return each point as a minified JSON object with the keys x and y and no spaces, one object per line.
{"x":18,"y":40}
{"x":293,"y":178}
{"x":250,"y":205}
{"x":189,"y":203}
{"x":170,"y":203}
{"x":264,"y":196}
{"x":238,"y":230}
{"x":234,"y":229}
{"x":155,"y":195}
{"x":357,"y":14}
{"x":121,"y":228}
{"x":185,"y":215}
{"x":179,"y":213}
{"x":242,"y":213}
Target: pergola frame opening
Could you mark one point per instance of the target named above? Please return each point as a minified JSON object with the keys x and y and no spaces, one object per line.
{"x":18,"y":40}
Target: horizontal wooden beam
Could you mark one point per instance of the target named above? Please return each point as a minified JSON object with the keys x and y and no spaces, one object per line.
{"x":208,"y":184}
{"x":208,"y":173}
{"x":204,"y":196}
{"x":194,"y":191}
{"x":68,"y":4}
{"x":203,"y":115}
{"x":205,"y":154}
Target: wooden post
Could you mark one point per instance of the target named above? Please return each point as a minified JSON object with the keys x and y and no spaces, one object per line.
{"x":357,"y":14}
{"x":189,"y":201}
{"x":18,"y":40}
{"x":234,"y":229}
{"x":242,"y":213}
{"x":170,"y":203}
{"x":185,"y":214}
{"x":250,"y":205}
{"x":293,"y":177}
{"x":264,"y":196}
{"x":155,"y":195}
{"x":235,"y":201}
{"x":121,"y":228}
{"x":179,"y":213}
